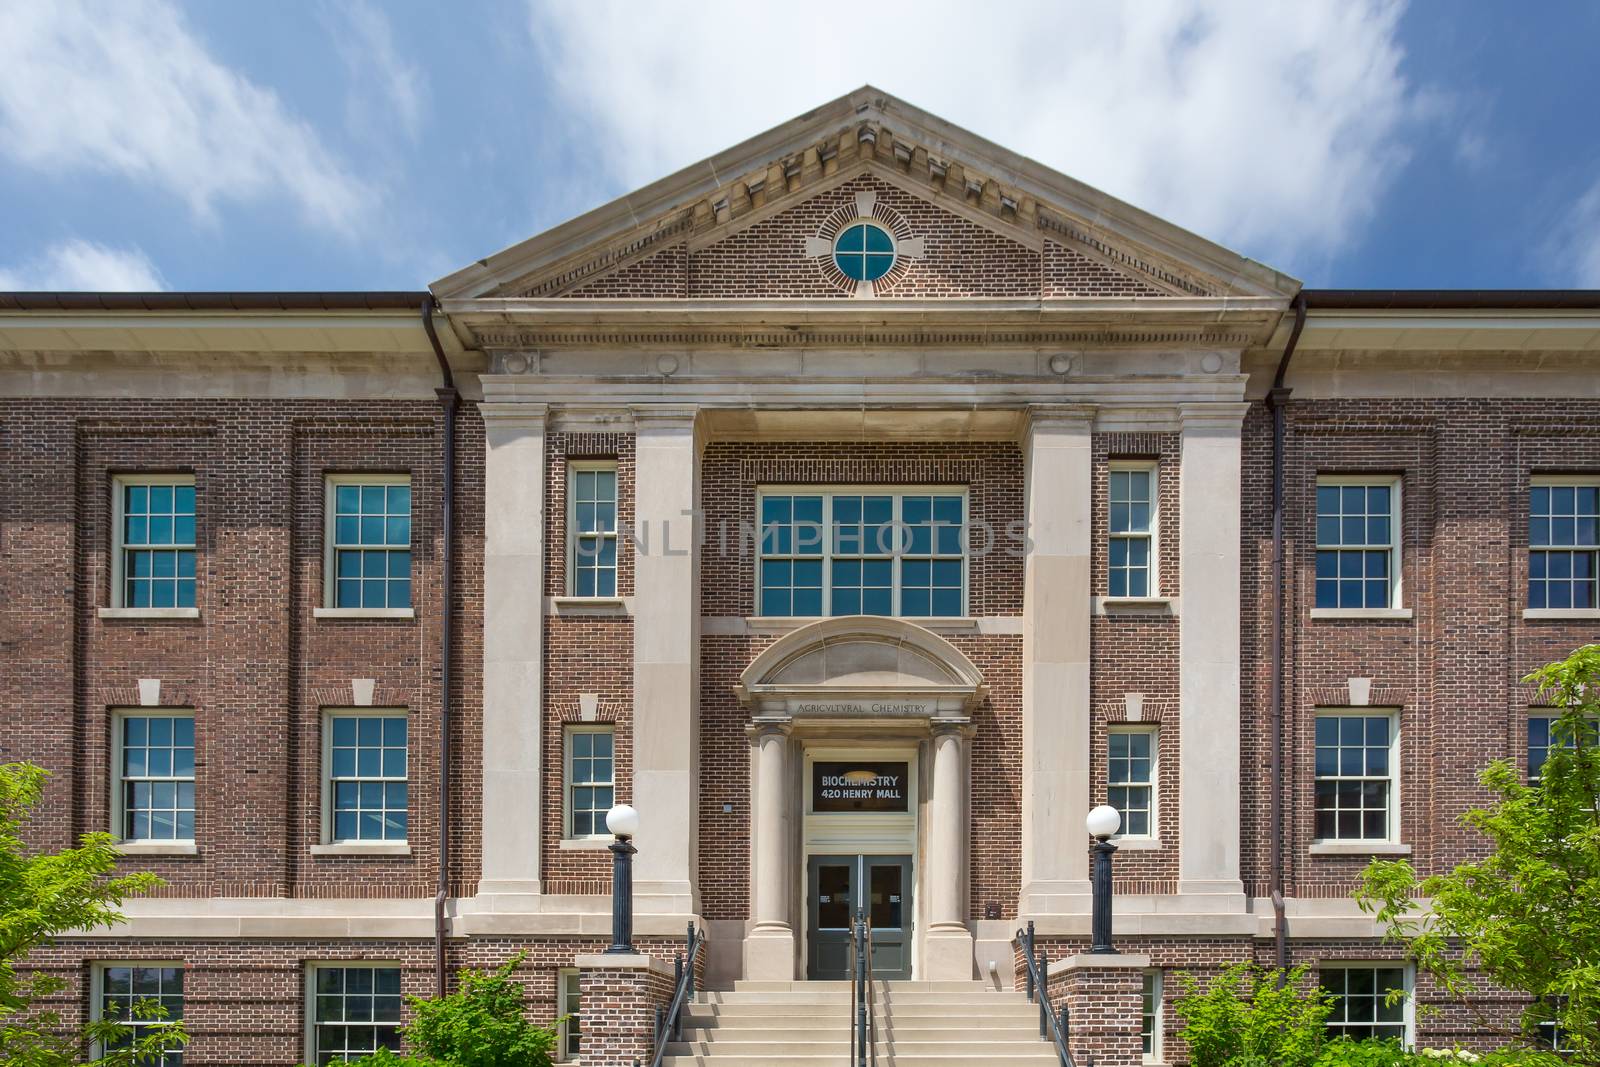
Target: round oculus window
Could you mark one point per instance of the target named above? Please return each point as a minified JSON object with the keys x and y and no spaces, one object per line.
{"x":864,"y":251}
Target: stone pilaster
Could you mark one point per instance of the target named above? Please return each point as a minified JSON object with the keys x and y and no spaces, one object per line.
{"x":513,"y":645}
{"x":1208,"y":650}
{"x":665,"y":644}
{"x":769,"y":953}
{"x":1055,"y":659}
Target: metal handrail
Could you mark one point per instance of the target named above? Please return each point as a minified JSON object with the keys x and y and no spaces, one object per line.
{"x":1038,"y":981}
{"x":669,"y":1020}
{"x":863,"y":1012}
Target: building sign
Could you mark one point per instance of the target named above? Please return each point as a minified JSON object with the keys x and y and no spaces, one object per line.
{"x":891,"y":708}
{"x":858,"y":785}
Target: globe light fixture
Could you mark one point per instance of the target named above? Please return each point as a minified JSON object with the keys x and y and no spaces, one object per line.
{"x":623,"y":821}
{"x":1103,"y":822}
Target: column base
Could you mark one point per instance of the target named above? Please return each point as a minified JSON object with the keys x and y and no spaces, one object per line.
{"x":1213,"y":895}
{"x":947,"y":953}
{"x":769,"y":954}
{"x":1059,"y":897}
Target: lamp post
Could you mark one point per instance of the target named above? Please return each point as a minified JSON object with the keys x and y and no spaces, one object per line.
{"x":623,"y":822}
{"x":1102,"y":823}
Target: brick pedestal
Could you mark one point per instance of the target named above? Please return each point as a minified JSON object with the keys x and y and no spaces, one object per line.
{"x":1103,"y":995}
{"x":619,"y":996}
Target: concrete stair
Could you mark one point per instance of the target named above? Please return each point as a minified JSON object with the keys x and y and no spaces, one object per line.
{"x":807,"y":1024}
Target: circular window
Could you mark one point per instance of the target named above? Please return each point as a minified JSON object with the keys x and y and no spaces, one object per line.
{"x":864,"y":251}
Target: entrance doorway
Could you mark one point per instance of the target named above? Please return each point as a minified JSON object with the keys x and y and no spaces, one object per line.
{"x":838,"y":886}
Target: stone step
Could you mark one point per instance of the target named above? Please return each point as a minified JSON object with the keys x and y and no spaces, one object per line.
{"x":743,"y":985}
{"x":772,"y":1045}
{"x":785,"y":1029}
{"x":971,"y":995}
{"x":955,"y":1057}
{"x":1007,"y":1010}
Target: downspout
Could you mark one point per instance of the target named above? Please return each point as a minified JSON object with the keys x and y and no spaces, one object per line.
{"x":448,"y":399}
{"x":1277,"y":397}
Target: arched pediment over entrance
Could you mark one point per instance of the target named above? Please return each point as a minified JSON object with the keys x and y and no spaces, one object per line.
{"x":861,"y":666}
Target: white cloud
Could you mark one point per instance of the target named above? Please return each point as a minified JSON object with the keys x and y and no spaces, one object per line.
{"x":1577,"y":243}
{"x":384,"y":86}
{"x":76,"y":265}
{"x":1272,"y":127}
{"x":127,"y":88}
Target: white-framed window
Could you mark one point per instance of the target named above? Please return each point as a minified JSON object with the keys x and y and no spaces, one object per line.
{"x":365,"y":775}
{"x":1362,"y":1003}
{"x":353,"y":1009}
{"x":1150,"y":1025}
{"x":153,"y":554}
{"x":569,"y":1037}
{"x":1131,"y":753}
{"x":1357,"y":775}
{"x":1358,"y":541}
{"x":1544,"y":738}
{"x":117,"y":988}
{"x":592,"y":528}
{"x":862,"y":551}
{"x":367,"y":553}
{"x":152,"y":796}
{"x":1564,"y":543}
{"x":1132,"y":525}
{"x":590,"y":778}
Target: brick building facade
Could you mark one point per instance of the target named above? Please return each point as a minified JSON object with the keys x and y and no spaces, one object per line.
{"x":863,"y":506}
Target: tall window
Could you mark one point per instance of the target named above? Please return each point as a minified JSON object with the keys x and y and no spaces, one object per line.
{"x":155,"y":763}
{"x":369,"y":541}
{"x":1357,"y":543}
{"x":1563,"y":544}
{"x":1545,"y":738}
{"x":1133,"y":524}
{"x":854,"y":552}
{"x":570,"y":1041}
{"x":592,"y":528}
{"x":1362,"y":1007}
{"x":155,"y":546}
{"x":355,"y":1011}
{"x":367,"y":777}
{"x":1150,"y":1017}
{"x":591,"y":779}
{"x":123,"y":986}
{"x":1130,"y":778}
{"x":1355,"y":780}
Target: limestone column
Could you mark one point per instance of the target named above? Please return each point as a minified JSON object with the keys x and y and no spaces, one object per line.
{"x":769,"y":950}
{"x":513,"y":645}
{"x":665,"y":645}
{"x":1208,"y":650}
{"x":947,"y":950}
{"x":1055,"y":660}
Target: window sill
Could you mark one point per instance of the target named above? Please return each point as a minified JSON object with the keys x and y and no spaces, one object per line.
{"x":157,"y":848}
{"x":1558,"y":614}
{"x":590,"y":605}
{"x":1359,"y":848}
{"x":1135,"y":605}
{"x":1137,"y":844}
{"x":362,"y":848}
{"x":363,"y":613}
{"x":149,"y":613}
{"x":585,"y":844}
{"x":1361,"y":613}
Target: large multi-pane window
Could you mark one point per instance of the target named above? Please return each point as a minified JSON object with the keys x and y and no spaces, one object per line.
{"x":1563,"y":544}
{"x":862,"y":552}
{"x":355,"y":1010}
{"x":366,"y":777}
{"x":592,"y":528}
{"x":155,"y":541}
{"x":1150,"y":1017}
{"x":155,"y":768}
{"x":570,"y":1043}
{"x":1132,"y":502}
{"x":369,"y":541}
{"x":1545,"y":737}
{"x":1355,"y":776}
{"x":1130,"y":778}
{"x":1357,"y":543}
{"x":124,"y":992}
{"x":591,"y":779}
{"x":1363,"y":1006}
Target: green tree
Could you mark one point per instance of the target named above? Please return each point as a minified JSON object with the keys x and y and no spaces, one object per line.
{"x":1526,"y":917}
{"x":46,"y":894}
{"x":1251,"y":1016}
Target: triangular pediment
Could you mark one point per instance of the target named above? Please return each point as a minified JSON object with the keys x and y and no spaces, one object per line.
{"x":965,"y":217}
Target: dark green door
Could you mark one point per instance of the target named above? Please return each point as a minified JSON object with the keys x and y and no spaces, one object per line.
{"x":836,"y":887}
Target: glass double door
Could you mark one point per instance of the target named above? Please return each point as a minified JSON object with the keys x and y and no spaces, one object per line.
{"x":839,"y":886}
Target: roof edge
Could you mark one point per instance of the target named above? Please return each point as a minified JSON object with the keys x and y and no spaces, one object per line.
{"x":337,"y":300}
{"x":1451,"y":299}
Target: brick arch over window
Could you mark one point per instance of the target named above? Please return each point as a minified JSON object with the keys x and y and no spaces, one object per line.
{"x":831,"y":665}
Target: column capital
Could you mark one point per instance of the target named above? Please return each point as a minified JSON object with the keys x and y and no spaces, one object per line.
{"x":1217,"y":419}
{"x":529,"y":413}
{"x":665,"y":416}
{"x":1075,"y":416}
{"x":767,"y":727}
{"x":961,"y":728}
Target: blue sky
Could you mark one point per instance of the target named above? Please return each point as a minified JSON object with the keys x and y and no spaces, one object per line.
{"x":370,"y":144}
